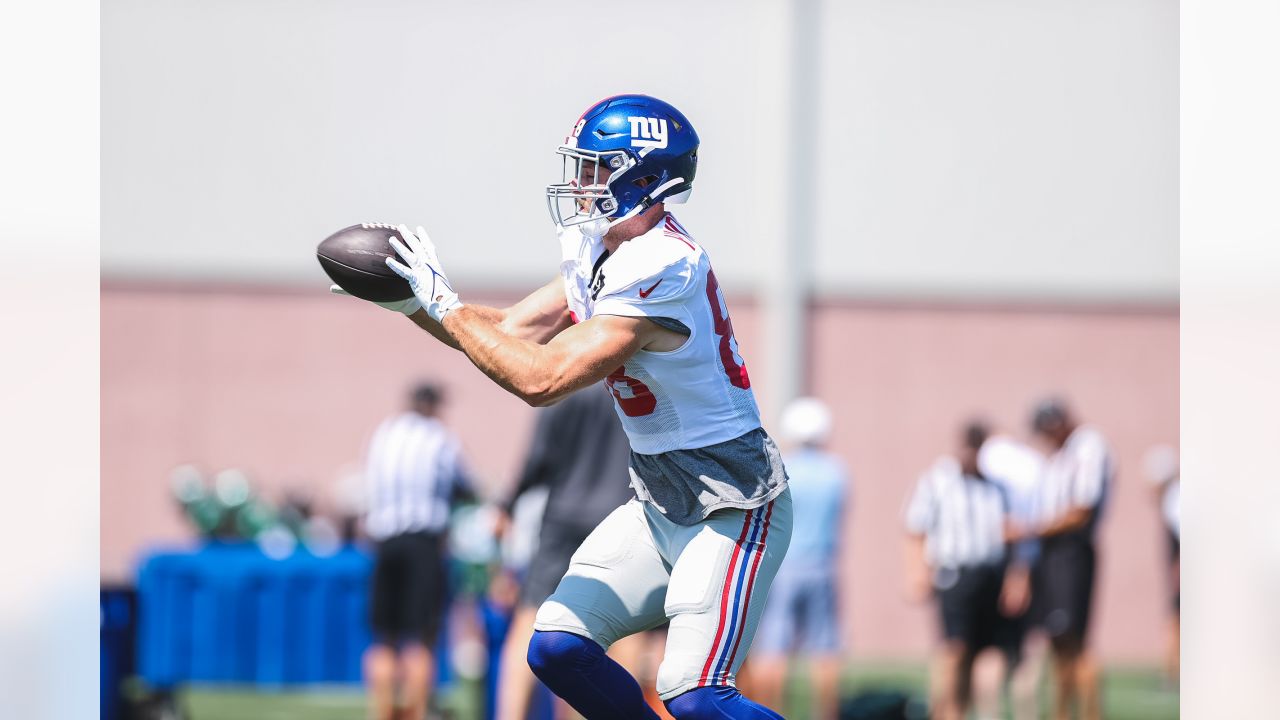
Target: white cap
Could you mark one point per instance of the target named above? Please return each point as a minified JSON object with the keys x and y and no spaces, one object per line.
{"x":806,"y":420}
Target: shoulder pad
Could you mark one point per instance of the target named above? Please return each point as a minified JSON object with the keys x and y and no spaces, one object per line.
{"x":651,"y":267}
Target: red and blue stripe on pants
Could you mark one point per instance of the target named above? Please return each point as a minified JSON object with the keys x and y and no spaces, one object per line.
{"x":739,"y":581}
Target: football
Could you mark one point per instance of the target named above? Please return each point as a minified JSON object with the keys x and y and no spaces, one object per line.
{"x":356,"y":259}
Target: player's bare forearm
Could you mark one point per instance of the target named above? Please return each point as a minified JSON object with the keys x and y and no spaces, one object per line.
{"x":511,"y":362}
{"x":542,"y":374}
{"x":424,"y":321}
{"x":538,"y":317}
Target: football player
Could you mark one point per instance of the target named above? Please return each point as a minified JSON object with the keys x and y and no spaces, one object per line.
{"x":637,"y":305}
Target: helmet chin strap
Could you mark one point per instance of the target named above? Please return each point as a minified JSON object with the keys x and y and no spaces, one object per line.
{"x":595,"y":228}
{"x":599,"y":226}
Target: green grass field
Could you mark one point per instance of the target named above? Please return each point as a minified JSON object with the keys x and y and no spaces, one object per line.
{"x":1128,"y":694}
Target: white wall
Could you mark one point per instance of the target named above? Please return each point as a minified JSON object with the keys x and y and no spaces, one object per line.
{"x":992,"y":147}
{"x":1024,"y":148}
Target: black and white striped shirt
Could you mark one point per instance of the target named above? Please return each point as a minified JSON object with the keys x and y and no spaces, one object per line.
{"x":961,"y":516}
{"x":414,"y":468}
{"x":1076,"y":476}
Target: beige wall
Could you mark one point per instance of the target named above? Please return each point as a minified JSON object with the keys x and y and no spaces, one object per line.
{"x":288,"y":384}
{"x":901,"y":380}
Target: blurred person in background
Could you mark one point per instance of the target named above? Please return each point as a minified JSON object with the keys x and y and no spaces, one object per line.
{"x":1073,"y":490}
{"x":1018,"y":468}
{"x":1162,"y":470}
{"x":956,"y":523}
{"x":414,"y":473}
{"x":580,"y":453}
{"x":801,"y":617}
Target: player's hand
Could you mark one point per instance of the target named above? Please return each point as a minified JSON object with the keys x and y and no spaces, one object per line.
{"x":404,"y":307}
{"x":421,"y":268}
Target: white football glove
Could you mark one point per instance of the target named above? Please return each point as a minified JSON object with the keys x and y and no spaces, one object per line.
{"x":405,"y":307}
{"x":421,"y":268}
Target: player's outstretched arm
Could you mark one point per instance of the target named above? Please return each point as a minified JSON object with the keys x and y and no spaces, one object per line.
{"x":539,"y":317}
{"x":529,"y":350}
{"x":543,"y":374}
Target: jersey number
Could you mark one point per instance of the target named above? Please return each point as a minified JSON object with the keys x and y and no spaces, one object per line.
{"x":734,"y":366}
{"x":633,"y":396}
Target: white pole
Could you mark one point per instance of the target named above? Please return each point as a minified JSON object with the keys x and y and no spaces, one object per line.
{"x":786,"y":142}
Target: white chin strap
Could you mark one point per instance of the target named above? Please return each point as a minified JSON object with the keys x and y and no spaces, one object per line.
{"x":595,"y":228}
{"x":599,"y":226}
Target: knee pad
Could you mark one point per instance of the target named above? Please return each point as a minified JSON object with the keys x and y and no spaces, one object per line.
{"x":553,"y":650}
{"x":672,"y":676}
{"x":716,"y":703}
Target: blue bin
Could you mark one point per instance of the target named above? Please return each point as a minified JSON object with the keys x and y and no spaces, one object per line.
{"x":227,"y":613}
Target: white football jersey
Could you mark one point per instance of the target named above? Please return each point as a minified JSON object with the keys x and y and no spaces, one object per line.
{"x":694,"y":396}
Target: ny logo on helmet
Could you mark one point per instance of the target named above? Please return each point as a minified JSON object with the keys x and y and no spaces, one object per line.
{"x":647,"y":132}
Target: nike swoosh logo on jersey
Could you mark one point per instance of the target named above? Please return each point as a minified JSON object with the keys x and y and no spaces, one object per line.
{"x":645,"y":293}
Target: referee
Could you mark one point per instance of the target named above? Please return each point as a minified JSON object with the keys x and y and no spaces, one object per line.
{"x":956,"y":550}
{"x":414,"y":473}
{"x":956,"y":525}
{"x":1073,"y":490}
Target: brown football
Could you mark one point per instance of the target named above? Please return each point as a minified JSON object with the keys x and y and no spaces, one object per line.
{"x":356,"y":259}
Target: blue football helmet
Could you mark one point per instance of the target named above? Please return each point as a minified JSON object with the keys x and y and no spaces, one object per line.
{"x":625,"y":153}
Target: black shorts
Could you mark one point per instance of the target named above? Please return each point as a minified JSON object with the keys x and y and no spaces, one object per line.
{"x":557,"y":542}
{"x":409,"y":588}
{"x":969,"y":600}
{"x":1010,"y":634}
{"x":1175,"y":584}
{"x":1062,"y":589}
